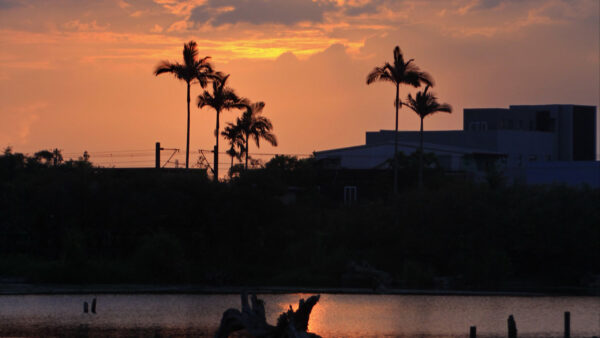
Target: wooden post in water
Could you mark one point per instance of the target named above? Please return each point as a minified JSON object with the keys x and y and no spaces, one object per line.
{"x":94,"y":306}
{"x":512,"y":327}
{"x":85,"y":307}
{"x":567,"y":324}
{"x":473,"y":332}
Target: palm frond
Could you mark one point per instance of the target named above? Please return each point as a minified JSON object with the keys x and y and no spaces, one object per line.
{"x":204,"y":71}
{"x":190,"y":53}
{"x":444,"y":108}
{"x":204,"y":62}
{"x":222,"y":81}
{"x":254,"y":125}
{"x":191,"y":70}
{"x":257,"y":107}
{"x":398,"y":57}
{"x":400,"y":72}
{"x":271,"y":138}
{"x":167,"y":67}
{"x":205,"y":99}
{"x":379,"y":74}
{"x":425,"y":103}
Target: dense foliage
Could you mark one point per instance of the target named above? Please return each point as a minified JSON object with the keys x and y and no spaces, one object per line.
{"x":71,"y":222}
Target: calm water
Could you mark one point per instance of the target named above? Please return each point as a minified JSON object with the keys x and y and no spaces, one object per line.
{"x":334,"y":315}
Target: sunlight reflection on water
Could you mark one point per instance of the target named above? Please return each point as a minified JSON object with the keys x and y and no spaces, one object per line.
{"x":333,"y":316}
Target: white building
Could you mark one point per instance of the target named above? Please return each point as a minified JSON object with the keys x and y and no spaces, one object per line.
{"x":520,"y":137}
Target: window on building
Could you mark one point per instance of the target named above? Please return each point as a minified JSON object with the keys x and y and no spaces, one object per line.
{"x":484,"y":126}
{"x":548,"y":157}
{"x":532,"y":158}
{"x":520,"y":124}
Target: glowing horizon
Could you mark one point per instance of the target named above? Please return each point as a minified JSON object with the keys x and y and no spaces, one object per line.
{"x":77,"y":75}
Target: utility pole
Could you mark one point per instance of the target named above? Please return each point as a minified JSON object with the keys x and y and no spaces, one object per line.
{"x":216,"y":164}
{"x":157,"y":156}
{"x":157,"y":150}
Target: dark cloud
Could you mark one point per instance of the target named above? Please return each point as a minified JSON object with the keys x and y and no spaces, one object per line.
{"x":220,"y":12}
{"x":8,"y":4}
{"x":368,"y":8}
{"x":288,"y":12}
{"x":490,"y":4}
{"x":486,"y":4}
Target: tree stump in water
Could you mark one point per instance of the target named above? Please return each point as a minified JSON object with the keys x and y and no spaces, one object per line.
{"x":290,"y":324}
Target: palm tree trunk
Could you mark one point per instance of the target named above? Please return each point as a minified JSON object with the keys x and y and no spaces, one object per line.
{"x":421,"y":157}
{"x":187,"y":144}
{"x":216,"y":158}
{"x":395,"y":164}
{"x":246,"y":168}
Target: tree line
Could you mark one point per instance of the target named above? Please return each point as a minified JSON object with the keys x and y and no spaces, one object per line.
{"x":78,"y":223}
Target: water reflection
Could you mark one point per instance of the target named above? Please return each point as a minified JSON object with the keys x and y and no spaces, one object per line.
{"x":333,"y":316}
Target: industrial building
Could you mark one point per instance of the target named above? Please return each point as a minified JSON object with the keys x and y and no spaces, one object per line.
{"x":522,"y":139}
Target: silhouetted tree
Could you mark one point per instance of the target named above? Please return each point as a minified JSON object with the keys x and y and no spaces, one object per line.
{"x":12,"y":161}
{"x":57,"y":157}
{"x":253,"y":124}
{"x":222,"y":98}
{"x":236,"y":140}
{"x":47,"y":157}
{"x":400,"y":72}
{"x":43,"y":157}
{"x":424,"y":104}
{"x":192,"y":70}
{"x":282,"y":162}
{"x":85,"y":157}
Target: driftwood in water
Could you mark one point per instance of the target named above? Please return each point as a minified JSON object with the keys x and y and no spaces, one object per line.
{"x":290,"y":324}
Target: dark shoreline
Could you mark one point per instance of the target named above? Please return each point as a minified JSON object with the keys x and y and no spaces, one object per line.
{"x":61,"y":289}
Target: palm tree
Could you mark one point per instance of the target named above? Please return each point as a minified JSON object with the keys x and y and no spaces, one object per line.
{"x":236,"y":140}
{"x":425,"y":104}
{"x":253,"y":124}
{"x":400,"y":72}
{"x":222,"y":98}
{"x":192,"y":70}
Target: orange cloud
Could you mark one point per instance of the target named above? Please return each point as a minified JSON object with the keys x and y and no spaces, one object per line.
{"x":180,"y":8}
{"x":85,"y":26}
{"x":123,"y":4}
{"x":157,"y":29}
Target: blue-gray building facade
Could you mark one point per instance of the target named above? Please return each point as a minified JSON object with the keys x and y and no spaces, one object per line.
{"x":523,"y":133}
{"x":535,"y":144}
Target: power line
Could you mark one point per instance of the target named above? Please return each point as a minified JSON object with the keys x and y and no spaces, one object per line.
{"x":146,"y":157}
{"x":265,"y":154}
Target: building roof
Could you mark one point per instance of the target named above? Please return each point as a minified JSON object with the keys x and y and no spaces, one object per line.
{"x":431,"y":147}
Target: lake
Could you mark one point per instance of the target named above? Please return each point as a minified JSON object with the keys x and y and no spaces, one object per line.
{"x":336,"y":315}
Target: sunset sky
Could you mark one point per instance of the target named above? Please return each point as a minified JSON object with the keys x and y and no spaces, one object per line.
{"x":77,"y":75}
